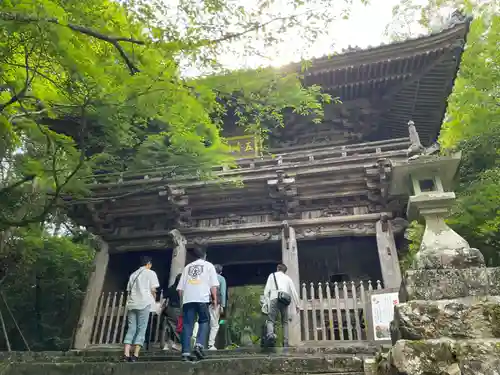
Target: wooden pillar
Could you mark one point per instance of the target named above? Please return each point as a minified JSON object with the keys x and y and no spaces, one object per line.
{"x":388,"y":254}
{"x":178,"y":255}
{"x":290,"y":257}
{"x":94,"y":290}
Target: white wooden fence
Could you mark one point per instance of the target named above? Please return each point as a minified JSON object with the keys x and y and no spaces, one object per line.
{"x":335,"y":311}
{"x":330,"y":311}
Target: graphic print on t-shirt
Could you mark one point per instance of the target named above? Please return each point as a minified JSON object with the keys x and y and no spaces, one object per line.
{"x":194,"y":273}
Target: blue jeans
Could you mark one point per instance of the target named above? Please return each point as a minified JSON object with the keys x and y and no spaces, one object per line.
{"x":137,"y":321}
{"x":189,"y":313}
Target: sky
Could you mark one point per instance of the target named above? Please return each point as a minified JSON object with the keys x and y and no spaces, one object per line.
{"x":365,"y":27}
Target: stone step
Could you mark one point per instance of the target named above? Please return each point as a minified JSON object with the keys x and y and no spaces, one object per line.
{"x":247,"y":365}
{"x":171,"y":358}
{"x":176,"y":358}
{"x":332,"y":347}
{"x":324,"y":373}
{"x":113,"y":355}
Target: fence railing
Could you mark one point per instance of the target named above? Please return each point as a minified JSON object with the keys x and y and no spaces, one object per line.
{"x":335,"y":311}
{"x":344,"y":152}
{"x":329,"y":311}
{"x":111,"y":320}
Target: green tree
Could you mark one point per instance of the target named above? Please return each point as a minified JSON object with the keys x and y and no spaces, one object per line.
{"x":45,"y":272}
{"x":472,"y":122}
{"x":244,"y":311}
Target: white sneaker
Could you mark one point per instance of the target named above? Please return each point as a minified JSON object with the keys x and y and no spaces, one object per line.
{"x":168,"y":345}
{"x":176,"y":347}
{"x":212,"y":348}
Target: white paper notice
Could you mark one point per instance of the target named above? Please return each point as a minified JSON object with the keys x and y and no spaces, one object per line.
{"x":383,"y":313}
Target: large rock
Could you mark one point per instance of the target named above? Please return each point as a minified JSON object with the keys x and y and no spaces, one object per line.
{"x":458,"y":258}
{"x":446,"y":357}
{"x":465,"y":318}
{"x":437,"y":284}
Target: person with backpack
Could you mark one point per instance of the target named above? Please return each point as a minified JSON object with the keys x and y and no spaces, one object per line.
{"x":169,"y":318}
{"x":217,"y":310}
{"x":282,"y":295}
{"x":141,"y":290}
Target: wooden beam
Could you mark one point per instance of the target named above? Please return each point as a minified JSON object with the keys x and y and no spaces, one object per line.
{"x":178,"y":255}
{"x":296,"y":223}
{"x":256,"y":237}
{"x":306,"y":229}
{"x":230,"y":263}
{"x":388,"y":254}
{"x":89,"y":305}
{"x":290,"y":257}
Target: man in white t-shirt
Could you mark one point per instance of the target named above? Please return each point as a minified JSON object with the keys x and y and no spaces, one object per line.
{"x":278,"y":282}
{"x":197,"y":287}
{"x":141,"y":291}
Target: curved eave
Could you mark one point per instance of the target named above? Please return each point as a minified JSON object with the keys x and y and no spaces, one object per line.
{"x":386,"y":52}
{"x":425,"y":100}
{"x":409,"y":80}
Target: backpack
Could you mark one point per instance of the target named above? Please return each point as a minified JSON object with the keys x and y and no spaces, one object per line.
{"x":219,"y":296}
{"x":179,"y":325}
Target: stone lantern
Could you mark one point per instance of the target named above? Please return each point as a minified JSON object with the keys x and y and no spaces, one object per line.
{"x":428,"y":180}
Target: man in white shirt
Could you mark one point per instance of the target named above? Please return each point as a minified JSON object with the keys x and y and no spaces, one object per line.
{"x":197,"y":287}
{"x":280,"y":288}
{"x":141,"y":290}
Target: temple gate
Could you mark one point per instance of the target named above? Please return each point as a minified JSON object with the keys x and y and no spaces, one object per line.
{"x":318,"y":198}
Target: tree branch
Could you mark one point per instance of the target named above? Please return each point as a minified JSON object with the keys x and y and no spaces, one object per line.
{"x":114,"y":40}
{"x":6,"y":222}
{"x":14,"y":99}
{"x":38,"y":73}
{"x":47,"y":208}
{"x":256,"y":26}
{"x":21,"y":94}
{"x":17,"y":17}
{"x":17,"y":184}
{"x":26,"y":114}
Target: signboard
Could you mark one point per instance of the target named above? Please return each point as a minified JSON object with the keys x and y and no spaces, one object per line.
{"x":380,"y":313}
{"x":244,"y":146}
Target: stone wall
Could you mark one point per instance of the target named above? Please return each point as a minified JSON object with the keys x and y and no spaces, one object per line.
{"x":450,"y":324}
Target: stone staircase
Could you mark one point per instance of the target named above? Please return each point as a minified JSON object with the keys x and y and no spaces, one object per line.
{"x":339,"y":360}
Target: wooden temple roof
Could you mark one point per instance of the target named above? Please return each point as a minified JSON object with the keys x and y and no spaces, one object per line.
{"x":405,"y":80}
